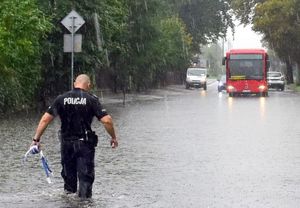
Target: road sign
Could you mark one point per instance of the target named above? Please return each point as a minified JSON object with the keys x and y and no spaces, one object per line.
{"x":73,"y":21}
{"x":76,"y":44}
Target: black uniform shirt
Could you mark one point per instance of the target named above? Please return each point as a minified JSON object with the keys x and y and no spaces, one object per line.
{"x":76,"y":110}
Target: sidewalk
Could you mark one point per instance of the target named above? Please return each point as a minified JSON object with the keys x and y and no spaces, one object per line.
{"x":152,"y":94}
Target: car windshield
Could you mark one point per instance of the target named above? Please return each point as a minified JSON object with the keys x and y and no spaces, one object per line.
{"x":196,"y":71}
{"x":274,"y":74}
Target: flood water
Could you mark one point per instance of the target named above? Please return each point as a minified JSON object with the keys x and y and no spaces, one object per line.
{"x":187,"y":149}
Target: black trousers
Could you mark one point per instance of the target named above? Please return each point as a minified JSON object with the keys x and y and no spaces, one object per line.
{"x":78,"y":163}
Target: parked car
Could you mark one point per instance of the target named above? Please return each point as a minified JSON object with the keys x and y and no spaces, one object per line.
{"x":196,"y":77}
{"x":275,"y":80}
{"x":222,"y":83}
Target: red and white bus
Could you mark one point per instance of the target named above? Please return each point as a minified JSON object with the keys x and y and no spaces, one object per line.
{"x":246,"y":71}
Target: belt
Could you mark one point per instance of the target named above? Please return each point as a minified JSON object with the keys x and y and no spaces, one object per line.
{"x":74,"y":138}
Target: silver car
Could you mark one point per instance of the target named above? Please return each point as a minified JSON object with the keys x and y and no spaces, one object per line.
{"x":276,"y":80}
{"x":196,"y":77}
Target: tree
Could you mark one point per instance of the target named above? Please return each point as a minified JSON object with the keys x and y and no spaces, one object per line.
{"x":245,"y":10}
{"x":206,"y":20}
{"x":157,"y":42}
{"x":277,"y":20}
{"x":22,"y":27}
{"x":133,"y":42}
{"x":102,"y":31}
{"x":152,"y":47}
{"x":214,"y":54}
{"x":171,"y":51}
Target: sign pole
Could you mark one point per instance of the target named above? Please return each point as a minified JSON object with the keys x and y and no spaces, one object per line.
{"x":73,"y":21}
{"x":72,"y":56}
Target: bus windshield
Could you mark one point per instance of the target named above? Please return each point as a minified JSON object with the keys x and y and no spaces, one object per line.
{"x":246,"y":66}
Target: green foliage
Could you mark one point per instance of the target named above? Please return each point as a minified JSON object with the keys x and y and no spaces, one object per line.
{"x":156,"y":42}
{"x":96,"y":46}
{"x":141,"y":40}
{"x":22,"y":25}
{"x":174,"y":43}
{"x":278,"y":21}
{"x":206,"y":20}
{"x":244,"y":10}
{"x":214,"y":54}
{"x":169,"y":51}
{"x":134,"y":42}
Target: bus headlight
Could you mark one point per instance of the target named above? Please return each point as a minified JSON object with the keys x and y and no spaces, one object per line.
{"x":230,"y":88}
{"x":262,"y":88}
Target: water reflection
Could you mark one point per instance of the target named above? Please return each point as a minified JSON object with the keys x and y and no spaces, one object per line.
{"x":220,"y":94}
{"x":262,"y":107}
{"x":230,"y":103}
{"x":203,"y":93}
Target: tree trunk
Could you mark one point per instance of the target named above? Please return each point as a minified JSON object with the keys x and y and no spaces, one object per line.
{"x":289,"y":72}
{"x":297,"y":74}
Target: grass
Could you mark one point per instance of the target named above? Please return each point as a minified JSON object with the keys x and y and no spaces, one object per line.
{"x":294,"y":87}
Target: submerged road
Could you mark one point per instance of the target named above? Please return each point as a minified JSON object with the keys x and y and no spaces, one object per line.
{"x":182,"y":148}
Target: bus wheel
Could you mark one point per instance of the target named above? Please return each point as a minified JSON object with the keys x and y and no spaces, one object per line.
{"x":231,"y":94}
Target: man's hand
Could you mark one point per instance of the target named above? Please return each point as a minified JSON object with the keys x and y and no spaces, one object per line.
{"x":113,"y":143}
{"x":36,"y":142}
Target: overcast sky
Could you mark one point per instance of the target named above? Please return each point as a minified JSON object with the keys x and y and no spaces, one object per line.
{"x":246,"y":38}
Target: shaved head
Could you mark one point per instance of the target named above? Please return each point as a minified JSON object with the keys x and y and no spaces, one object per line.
{"x":83,"y":82}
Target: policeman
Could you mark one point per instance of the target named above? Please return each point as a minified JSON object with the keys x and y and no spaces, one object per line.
{"x":76,"y":110}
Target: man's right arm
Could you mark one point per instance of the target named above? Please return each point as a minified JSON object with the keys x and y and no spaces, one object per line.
{"x":44,"y":122}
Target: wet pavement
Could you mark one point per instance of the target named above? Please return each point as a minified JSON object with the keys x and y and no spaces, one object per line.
{"x":178,"y":148}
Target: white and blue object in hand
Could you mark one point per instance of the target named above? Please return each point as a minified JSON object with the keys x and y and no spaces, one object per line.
{"x":35,"y":150}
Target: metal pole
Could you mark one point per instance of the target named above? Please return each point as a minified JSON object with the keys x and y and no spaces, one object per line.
{"x":72,"y":56}
{"x":223,"y":55}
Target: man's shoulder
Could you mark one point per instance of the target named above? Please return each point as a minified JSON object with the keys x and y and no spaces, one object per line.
{"x":94,"y":96}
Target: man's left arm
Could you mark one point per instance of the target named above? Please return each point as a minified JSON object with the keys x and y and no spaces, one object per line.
{"x":109,"y":127}
{"x":106,"y":120}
